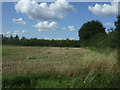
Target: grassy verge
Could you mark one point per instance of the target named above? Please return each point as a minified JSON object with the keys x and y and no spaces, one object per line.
{"x":97,"y":79}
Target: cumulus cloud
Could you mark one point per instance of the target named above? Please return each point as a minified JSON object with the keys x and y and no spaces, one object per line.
{"x":45,"y":25}
{"x":105,"y":9}
{"x":44,"y":11}
{"x":71,"y":28}
{"x":19,"y":21}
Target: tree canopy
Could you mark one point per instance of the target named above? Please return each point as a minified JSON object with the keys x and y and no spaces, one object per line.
{"x":90,"y":29}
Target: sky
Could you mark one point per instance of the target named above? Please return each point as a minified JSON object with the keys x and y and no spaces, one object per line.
{"x":56,"y":20}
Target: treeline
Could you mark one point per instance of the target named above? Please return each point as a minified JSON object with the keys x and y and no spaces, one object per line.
{"x":100,"y":40}
{"x":91,"y":34}
{"x":39,"y":42}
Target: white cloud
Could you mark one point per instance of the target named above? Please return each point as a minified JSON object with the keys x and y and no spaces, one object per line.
{"x":59,"y":38}
{"x":46,"y":38}
{"x":44,"y":11}
{"x":105,"y":9}
{"x":24,"y":31}
{"x":19,"y":21}
{"x":20,"y":31}
{"x":16,"y":32}
{"x":8,"y":32}
{"x":71,"y":28}
{"x":45,"y":25}
{"x":109,"y":24}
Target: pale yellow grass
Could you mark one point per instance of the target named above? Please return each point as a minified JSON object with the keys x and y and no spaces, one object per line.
{"x":65,"y":61}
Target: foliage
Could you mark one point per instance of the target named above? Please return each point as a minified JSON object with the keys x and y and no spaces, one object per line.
{"x":16,"y":81}
{"x":97,"y":79}
{"x":39,"y":42}
{"x":90,"y":29}
{"x":117,"y":24}
{"x":102,"y":40}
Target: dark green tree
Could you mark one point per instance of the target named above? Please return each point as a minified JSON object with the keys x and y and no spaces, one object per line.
{"x":16,"y":37}
{"x":89,"y":29}
{"x":117,"y":24}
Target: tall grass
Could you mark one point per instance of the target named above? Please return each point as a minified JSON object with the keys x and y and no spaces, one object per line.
{"x":61,"y":68}
{"x":98,"y":79}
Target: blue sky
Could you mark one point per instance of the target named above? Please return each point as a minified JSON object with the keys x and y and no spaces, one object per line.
{"x":62,"y":28}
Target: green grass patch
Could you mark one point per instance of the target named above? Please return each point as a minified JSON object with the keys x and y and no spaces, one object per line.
{"x":11,"y":51}
{"x":105,"y":51}
{"x":8,"y":51}
{"x":97,"y":79}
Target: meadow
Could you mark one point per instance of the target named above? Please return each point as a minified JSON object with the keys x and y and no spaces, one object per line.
{"x":59,"y":67}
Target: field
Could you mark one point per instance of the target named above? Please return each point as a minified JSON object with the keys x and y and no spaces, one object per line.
{"x":55,"y":67}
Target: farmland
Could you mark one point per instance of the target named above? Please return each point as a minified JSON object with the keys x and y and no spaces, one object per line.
{"x":60,"y":44}
{"x":57,"y":67}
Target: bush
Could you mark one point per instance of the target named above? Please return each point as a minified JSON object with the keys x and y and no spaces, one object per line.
{"x":102,"y":40}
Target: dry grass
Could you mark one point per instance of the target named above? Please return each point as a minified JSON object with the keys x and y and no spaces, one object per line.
{"x":65,"y":61}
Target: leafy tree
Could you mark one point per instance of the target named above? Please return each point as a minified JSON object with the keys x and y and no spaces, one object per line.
{"x":89,"y":29}
{"x":16,"y":37}
{"x":117,"y":24}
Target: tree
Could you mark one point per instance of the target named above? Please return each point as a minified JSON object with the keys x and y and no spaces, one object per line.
{"x":89,"y":29}
{"x":11,"y":37}
{"x":117,"y":24}
{"x":16,"y":37}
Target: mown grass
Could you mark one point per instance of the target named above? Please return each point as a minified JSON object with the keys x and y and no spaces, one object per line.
{"x":54,"y":67}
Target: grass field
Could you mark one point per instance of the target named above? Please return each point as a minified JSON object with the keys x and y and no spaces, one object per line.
{"x":54,"y":67}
